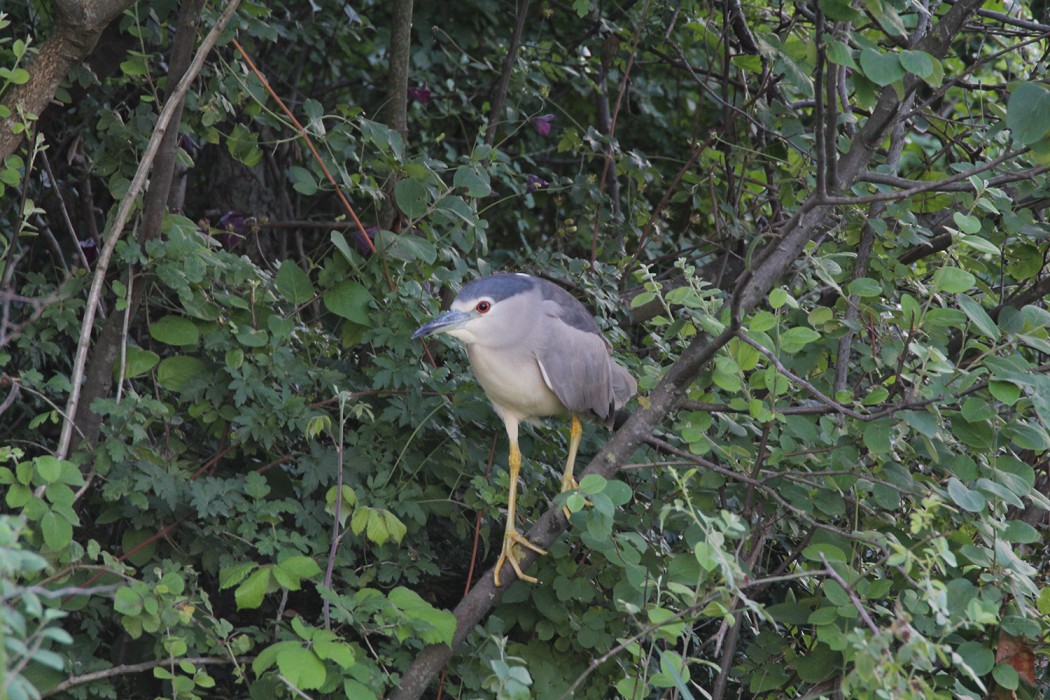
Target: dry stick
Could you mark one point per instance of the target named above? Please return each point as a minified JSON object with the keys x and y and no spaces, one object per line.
{"x":334,"y":546}
{"x":123,"y":214}
{"x":508,"y":66}
{"x":70,"y":229}
{"x":808,"y":222}
{"x":73,"y":681}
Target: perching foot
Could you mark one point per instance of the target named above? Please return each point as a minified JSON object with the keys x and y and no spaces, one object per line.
{"x":511,"y":538}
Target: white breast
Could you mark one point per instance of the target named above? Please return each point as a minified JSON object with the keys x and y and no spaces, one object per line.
{"x":514,"y":385}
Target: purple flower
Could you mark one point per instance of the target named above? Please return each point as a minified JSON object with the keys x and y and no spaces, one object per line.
{"x":234,"y":227}
{"x":536,"y":183}
{"x":90,"y":249}
{"x":420,"y":94}
{"x":364,"y":247}
{"x":189,"y":144}
{"x":542,"y":125}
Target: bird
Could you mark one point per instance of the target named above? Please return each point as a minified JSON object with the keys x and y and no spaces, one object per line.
{"x":536,"y":351}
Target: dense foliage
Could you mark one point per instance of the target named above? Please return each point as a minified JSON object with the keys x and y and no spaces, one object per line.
{"x":816,"y":233}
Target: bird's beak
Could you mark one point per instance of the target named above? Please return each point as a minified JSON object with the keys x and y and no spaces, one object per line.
{"x":448,"y":321}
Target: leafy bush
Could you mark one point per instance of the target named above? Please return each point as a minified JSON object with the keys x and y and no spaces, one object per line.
{"x":815,"y":234}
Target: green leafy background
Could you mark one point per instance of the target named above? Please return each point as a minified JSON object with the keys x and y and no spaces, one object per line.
{"x":851,"y":496}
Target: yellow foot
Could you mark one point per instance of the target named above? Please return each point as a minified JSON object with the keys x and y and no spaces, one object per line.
{"x":511,"y":538}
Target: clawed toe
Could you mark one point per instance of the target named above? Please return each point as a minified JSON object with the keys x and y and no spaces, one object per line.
{"x":510,"y":539}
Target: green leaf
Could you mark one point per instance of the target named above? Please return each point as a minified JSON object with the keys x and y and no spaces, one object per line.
{"x":592,"y":484}
{"x":794,"y":339}
{"x":407,"y":247}
{"x":967,"y":223}
{"x":134,"y":67}
{"x":232,"y":575}
{"x":49,"y":468}
{"x":252,"y":337}
{"x":1007,"y":392}
{"x":474,"y":179}
{"x":881,"y":68}
{"x":1043,"y":601}
{"x":977,"y":656}
{"x":57,"y":531}
{"x":301,"y":667}
{"x":175,"y":330}
{"x":412,"y":198}
{"x":138,"y":361}
{"x":839,"y":53}
{"x":249,"y":595}
{"x":434,"y":626}
{"x":268,"y":656}
{"x":302,"y":180}
{"x":971,"y":501}
{"x":918,"y":63}
{"x":840,"y":10}
{"x":706,"y":555}
{"x":394,"y":526}
{"x":338,"y":652}
{"x":978,"y":316}
{"x":865,"y":287}
{"x":127,"y":601}
{"x":358,"y":691}
{"x":981,"y":245}
{"x":300,"y":566}
{"x":1026,"y":112}
{"x":877,"y":435}
{"x":176,"y":373}
{"x":953,"y":280}
{"x":1006,"y":676}
{"x":350,"y":300}
{"x":1020,"y":532}
{"x":294,"y":284}
{"x":762,"y":321}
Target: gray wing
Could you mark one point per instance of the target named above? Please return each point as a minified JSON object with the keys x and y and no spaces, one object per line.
{"x":576,"y":366}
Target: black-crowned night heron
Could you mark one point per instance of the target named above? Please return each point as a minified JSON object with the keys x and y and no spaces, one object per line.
{"x":536,"y":351}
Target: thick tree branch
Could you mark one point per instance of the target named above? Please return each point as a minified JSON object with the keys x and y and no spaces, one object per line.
{"x":396,"y":111}
{"x":78,"y":25}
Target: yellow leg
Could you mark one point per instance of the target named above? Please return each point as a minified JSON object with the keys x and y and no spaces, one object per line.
{"x":511,"y":536}
{"x":567,"y":480}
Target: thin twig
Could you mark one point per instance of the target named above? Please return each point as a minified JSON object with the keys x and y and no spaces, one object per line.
{"x":852,"y":595}
{"x":128,"y":669}
{"x":500,"y":95}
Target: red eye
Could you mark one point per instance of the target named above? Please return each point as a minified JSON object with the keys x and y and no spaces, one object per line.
{"x":483,"y":307}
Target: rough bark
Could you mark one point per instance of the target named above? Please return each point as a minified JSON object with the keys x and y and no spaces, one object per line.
{"x":396,"y":110}
{"x":78,"y":25}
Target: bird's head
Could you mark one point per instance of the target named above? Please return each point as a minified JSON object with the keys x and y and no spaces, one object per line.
{"x":486,"y":311}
